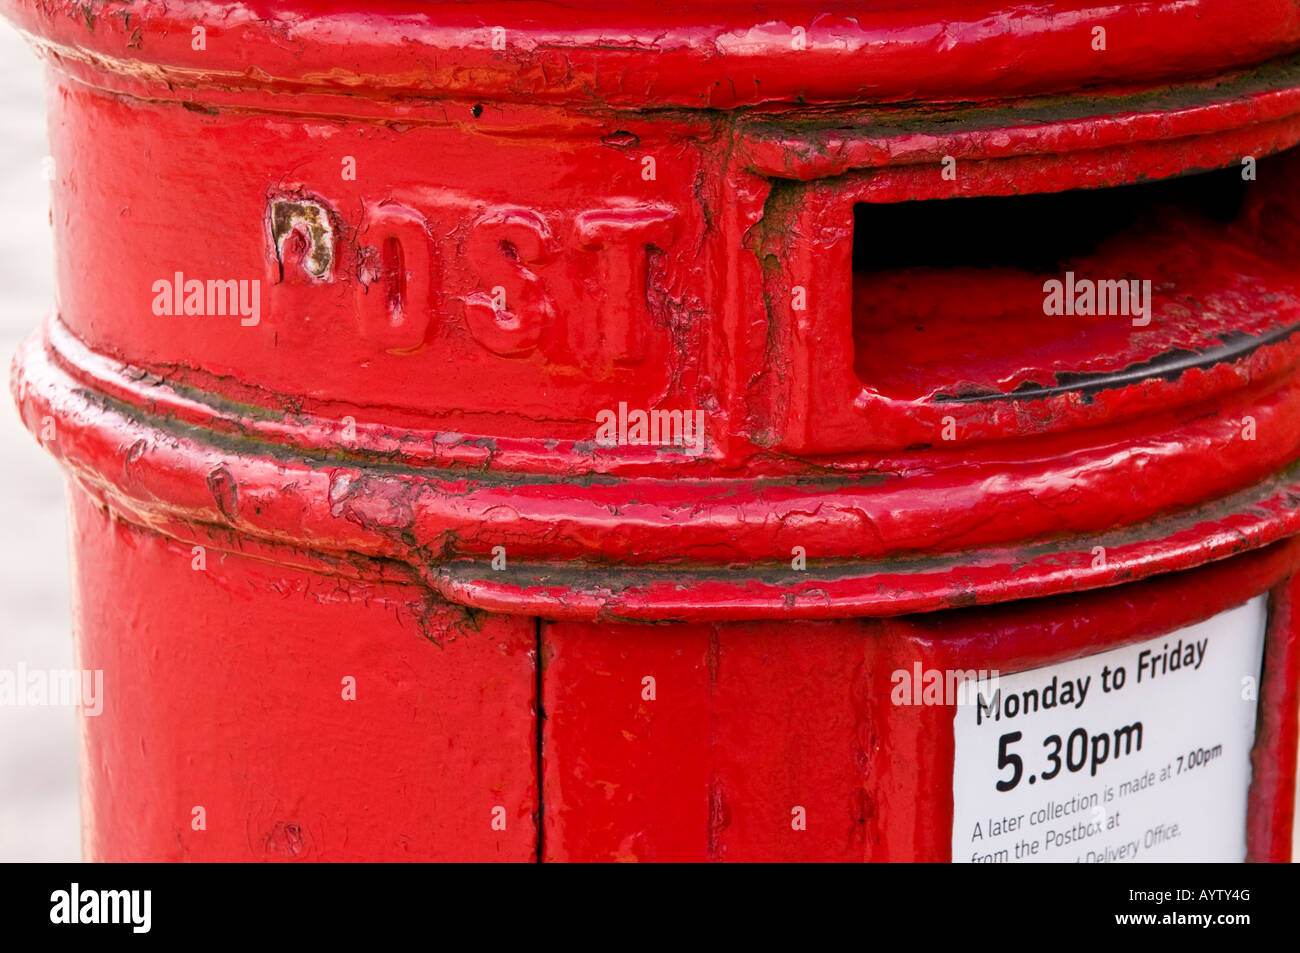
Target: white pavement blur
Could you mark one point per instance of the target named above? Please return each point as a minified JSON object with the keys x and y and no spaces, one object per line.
{"x":38,"y":746}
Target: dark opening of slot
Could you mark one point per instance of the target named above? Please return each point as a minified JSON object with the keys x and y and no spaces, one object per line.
{"x":1032,"y":232}
{"x":950,"y":296}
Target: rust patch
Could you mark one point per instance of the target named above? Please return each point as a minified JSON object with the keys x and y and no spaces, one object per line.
{"x":310,"y":223}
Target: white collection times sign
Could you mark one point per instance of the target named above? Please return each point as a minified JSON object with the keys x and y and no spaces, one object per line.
{"x":1137,"y":754}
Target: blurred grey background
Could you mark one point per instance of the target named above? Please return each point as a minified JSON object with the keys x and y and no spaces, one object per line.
{"x":38,"y":745}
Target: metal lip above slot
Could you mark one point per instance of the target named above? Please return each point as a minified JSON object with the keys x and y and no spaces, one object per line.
{"x":1168,"y":366}
{"x":814,"y":402}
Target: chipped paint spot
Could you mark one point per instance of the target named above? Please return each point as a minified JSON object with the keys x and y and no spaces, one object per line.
{"x":224,"y":491}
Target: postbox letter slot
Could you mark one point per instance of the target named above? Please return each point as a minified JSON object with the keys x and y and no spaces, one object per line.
{"x":990,"y":299}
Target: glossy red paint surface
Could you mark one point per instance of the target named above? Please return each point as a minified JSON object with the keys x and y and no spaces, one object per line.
{"x":751,"y":720}
{"x":464,"y":256}
{"x":225,"y":691}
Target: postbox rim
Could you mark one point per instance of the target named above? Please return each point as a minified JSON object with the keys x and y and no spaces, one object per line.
{"x":704,"y":56}
{"x":196,"y":485}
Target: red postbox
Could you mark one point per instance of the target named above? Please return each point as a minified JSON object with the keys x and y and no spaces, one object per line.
{"x":565,"y":432}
